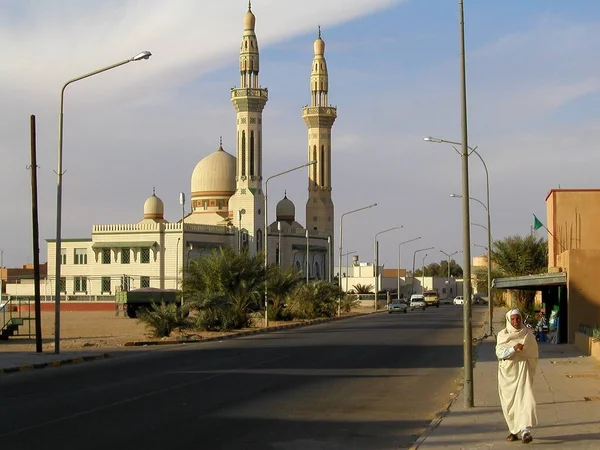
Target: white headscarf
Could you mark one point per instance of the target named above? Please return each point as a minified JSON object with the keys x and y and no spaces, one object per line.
{"x":511,"y":336}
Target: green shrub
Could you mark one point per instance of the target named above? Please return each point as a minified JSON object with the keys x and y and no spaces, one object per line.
{"x":163,"y":319}
{"x":314,"y":300}
{"x":348,"y":302}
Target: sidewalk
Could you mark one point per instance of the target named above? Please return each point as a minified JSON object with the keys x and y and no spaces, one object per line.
{"x":23,"y":362}
{"x":567,"y":391}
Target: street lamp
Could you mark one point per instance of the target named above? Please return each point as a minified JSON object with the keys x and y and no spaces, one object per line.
{"x":482,"y":246}
{"x":412,"y":279}
{"x":489,"y":253}
{"x":487,"y":188}
{"x":307,"y":257}
{"x":310,"y":163}
{"x":376,"y":262}
{"x":479,"y":225}
{"x":423,"y":273}
{"x":59,"y":174}
{"x":346,"y":255}
{"x":449,"y":256}
{"x":400,"y":245}
{"x":341,"y":246}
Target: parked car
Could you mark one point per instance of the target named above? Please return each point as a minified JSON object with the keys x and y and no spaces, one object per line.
{"x":417,"y":301}
{"x":397,"y":306}
{"x":458,"y":300}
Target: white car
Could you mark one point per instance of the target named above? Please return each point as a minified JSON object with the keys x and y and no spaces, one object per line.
{"x":458,"y":300}
{"x":397,"y":306}
{"x":417,"y":302}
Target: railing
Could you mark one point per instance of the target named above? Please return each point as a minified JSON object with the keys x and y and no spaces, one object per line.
{"x":17,"y":309}
{"x":249,"y":92}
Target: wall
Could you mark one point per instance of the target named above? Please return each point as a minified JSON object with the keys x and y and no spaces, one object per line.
{"x":572,"y":216}
{"x":582,"y":288}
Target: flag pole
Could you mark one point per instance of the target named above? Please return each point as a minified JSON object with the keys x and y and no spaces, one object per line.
{"x":536,"y":221}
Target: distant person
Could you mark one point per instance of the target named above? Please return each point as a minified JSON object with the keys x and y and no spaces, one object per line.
{"x":517,"y":352}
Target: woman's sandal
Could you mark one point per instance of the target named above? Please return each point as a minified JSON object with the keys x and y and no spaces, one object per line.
{"x":512,"y":437}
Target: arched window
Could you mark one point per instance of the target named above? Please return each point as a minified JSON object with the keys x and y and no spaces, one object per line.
{"x":259,"y":148}
{"x":251,"y":153}
{"x":317,"y":271}
{"x":259,"y":245}
{"x":298,"y":267}
{"x":322,"y":166}
{"x":315,"y":165}
{"x":243,"y":153}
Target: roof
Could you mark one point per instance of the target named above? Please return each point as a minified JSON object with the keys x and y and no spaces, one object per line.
{"x":570,"y":190}
{"x":531,"y":281}
{"x":393,"y":273}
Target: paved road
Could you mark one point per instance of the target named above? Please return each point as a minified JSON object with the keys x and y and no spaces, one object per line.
{"x":371,"y":382}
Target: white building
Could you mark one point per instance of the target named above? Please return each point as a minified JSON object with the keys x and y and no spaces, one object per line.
{"x":227,"y":204}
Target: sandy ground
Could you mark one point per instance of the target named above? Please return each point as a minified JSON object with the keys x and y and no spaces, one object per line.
{"x":100,"y":330}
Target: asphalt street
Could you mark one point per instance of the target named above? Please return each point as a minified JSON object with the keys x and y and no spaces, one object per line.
{"x":370,"y":382}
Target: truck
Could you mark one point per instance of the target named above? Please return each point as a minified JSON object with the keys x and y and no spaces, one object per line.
{"x":144,"y":298}
{"x":432,"y":298}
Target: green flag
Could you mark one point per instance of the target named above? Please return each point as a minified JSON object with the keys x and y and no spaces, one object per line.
{"x":536,"y":223}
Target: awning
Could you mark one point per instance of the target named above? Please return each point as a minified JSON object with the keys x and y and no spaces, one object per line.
{"x":311,"y":248}
{"x":125,"y":244}
{"x":531,"y":281}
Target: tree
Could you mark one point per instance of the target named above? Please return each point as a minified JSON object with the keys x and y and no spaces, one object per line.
{"x":224,"y":287}
{"x":363,"y":288}
{"x":280,"y":284}
{"x":441,"y":269}
{"x":518,"y":256}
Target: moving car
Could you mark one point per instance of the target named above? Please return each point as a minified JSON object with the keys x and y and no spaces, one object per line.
{"x":397,"y":306}
{"x":431,"y":298}
{"x":458,"y":300}
{"x":417,"y":301}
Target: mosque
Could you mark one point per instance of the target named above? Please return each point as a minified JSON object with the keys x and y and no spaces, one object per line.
{"x":228,"y":203}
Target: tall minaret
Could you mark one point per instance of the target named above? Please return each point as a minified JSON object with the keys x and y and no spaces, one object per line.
{"x":319,"y":118}
{"x":249,"y":100}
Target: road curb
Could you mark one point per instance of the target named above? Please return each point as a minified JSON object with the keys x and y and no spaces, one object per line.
{"x":247,"y":332}
{"x":443,"y":412}
{"x":57,"y":363}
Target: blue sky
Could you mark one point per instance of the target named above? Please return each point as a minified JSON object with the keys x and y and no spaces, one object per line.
{"x":533,"y":90}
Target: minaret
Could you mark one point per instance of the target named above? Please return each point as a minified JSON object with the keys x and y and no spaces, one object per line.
{"x":249,"y":99}
{"x":319,"y":118}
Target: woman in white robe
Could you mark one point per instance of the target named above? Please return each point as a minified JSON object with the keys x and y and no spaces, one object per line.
{"x":517,"y":353}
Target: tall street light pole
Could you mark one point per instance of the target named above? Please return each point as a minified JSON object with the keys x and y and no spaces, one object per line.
{"x":423,"y":273}
{"x":59,"y":174}
{"x":467,"y":331}
{"x":266,"y":244}
{"x":399,"y":260}
{"x":412,"y":277}
{"x":341,"y":247}
{"x":489,"y":260}
{"x":376,"y":263}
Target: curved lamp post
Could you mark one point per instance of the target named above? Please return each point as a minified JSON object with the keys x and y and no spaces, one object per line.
{"x":400,"y":245}
{"x":412,"y":277}
{"x":346,"y":255}
{"x":342,"y":245}
{"x":489,"y":253}
{"x":266,"y":237}
{"x":59,"y":174}
{"x":376,"y":262}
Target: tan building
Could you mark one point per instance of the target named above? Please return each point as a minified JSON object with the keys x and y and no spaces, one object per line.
{"x":573,"y":261}
{"x":227,"y":203}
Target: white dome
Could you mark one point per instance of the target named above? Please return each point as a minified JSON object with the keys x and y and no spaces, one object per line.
{"x":214,"y":174}
{"x":154,"y":208}
{"x":285,"y":210}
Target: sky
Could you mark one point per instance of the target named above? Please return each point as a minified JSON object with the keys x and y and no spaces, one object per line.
{"x":533,"y":90}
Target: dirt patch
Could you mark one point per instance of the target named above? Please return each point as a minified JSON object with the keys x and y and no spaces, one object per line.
{"x":104,"y":330}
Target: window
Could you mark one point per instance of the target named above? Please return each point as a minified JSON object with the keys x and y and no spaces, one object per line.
{"x":443,"y":290}
{"x":106,"y":256}
{"x":105,"y":288}
{"x":251,"y":153}
{"x":63,"y":256}
{"x":63,"y":285}
{"x":243,"y":153}
{"x":80,"y":256}
{"x":277,"y":256}
{"x":145,"y":256}
{"x":80,"y":284}
{"x":259,"y":240}
{"x":125,"y":256}
{"x":322,"y":167}
{"x":144,"y":282}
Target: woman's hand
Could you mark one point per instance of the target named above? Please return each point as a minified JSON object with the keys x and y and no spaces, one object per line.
{"x":518,"y":347}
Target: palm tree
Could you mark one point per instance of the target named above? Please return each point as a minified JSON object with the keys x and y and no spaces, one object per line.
{"x":224,"y":286}
{"x":363,"y":288}
{"x":281,"y":283}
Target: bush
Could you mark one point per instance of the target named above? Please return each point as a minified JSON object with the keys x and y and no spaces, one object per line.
{"x":348,"y":302}
{"x":164,"y":318}
{"x":310,"y":301}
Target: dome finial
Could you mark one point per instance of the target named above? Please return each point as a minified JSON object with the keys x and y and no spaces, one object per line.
{"x":153,"y":190}
{"x":285,"y":193}
{"x":319,"y":31}
{"x":220,"y":141}
{"x":249,"y":5}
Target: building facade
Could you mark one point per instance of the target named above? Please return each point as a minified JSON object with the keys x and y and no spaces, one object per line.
{"x":227,"y":204}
